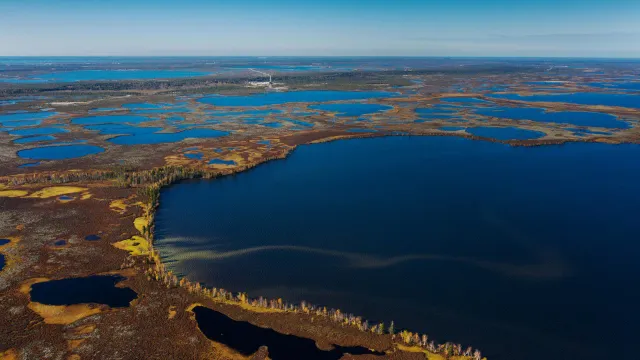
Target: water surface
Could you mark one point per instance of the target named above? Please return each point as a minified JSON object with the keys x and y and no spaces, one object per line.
{"x":294,"y":96}
{"x":59,"y":152}
{"x":247,"y":339}
{"x":525,"y":253}
{"x":98,"y":289}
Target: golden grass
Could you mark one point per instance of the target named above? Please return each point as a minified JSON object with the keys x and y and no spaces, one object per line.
{"x":13,"y":193}
{"x":84,"y":329}
{"x":10,"y":354}
{"x":140,"y":223}
{"x":118,"y":205}
{"x":172,"y":312}
{"x":53,"y":191}
{"x":25,"y":287}
{"x":136,"y":246}
{"x":223,"y":352}
{"x":62,"y":314}
{"x":429,"y":355}
{"x":85,"y":195}
{"x":74,"y":357}
{"x":73,"y":344}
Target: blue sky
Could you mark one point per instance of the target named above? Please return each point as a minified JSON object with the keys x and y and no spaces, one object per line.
{"x":582,"y":28}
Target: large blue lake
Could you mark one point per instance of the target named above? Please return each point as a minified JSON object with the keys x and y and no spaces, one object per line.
{"x":525,"y":253}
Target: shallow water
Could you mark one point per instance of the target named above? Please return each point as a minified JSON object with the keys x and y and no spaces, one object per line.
{"x":579,"y":118}
{"x":158,"y":138}
{"x":59,"y":152}
{"x":32,"y":139}
{"x":40,"y":115}
{"x":38,"y":131}
{"x":111,"y":119}
{"x":247,"y":339}
{"x":525,"y":253}
{"x":221,"y":162}
{"x":275,"y":98}
{"x":504,"y":133}
{"x":352,"y":109}
{"x":98,"y":289}
{"x":623,"y":100}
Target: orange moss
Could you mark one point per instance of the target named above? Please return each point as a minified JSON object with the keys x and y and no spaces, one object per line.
{"x":10,"y":354}
{"x":62,"y":314}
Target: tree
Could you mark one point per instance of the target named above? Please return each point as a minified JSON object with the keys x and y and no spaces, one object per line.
{"x":391,"y":328}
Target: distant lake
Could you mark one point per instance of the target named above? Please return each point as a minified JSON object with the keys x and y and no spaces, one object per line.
{"x":106,"y":75}
{"x":274,"y":98}
{"x":580,"y":118}
{"x":525,"y":253}
{"x":623,"y":100}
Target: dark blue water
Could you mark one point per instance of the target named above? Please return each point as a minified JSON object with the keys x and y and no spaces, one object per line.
{"x":111,"y":119}
{"x":294,"y":96}
{"x":41,"y":115}
{"x":32,"y":139}
{"x":505,"y":133}
{"x":196,"y":156}
{"x":247,"y":339}
{"x":623,"y":100}
{"x":463,"y":100}
{"x":2,"y":261}
{"x":92,"y":237}
{"x":221,"y":162}
{"x":352,"y":109}
{"x":96,"y":289}
{"x":38,"y":131}
{"x":158,"y":138}
{"x":59,"y":152}
{"x":122,"y":129}
{"x":525,"y":253}
{"x":28,"y":165}
{"x":579,"y":118}
{"x":18,"y":123}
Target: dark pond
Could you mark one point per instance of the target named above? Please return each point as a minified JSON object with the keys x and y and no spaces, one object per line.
{"x":59,"y":152}
{"x":60,"y":243}
{"x":2,"y":262}
{"x":92,"y":237}
{"x":97,"y":289}
{"x":247,"y":339}
{"x":525,"y":253}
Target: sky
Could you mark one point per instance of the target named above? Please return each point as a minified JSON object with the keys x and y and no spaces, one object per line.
{"x":545,"y":28}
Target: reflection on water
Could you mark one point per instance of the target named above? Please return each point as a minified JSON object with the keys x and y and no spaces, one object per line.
{"x":467,"y":241}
